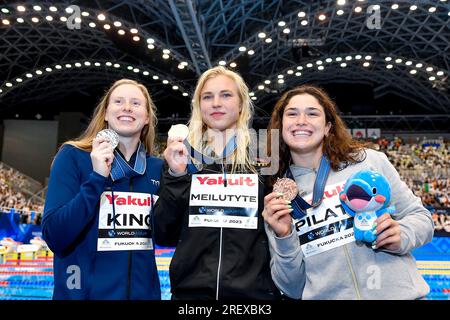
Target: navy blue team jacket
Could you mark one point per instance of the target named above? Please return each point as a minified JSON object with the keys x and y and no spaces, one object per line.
{"x":70,"y":228}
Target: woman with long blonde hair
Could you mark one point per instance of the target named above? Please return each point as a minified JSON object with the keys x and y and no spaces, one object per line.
{"x":100,"y":195}
{"x":211,"y":199}
{"x":200,"y":133}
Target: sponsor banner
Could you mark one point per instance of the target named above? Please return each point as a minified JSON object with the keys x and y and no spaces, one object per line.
{"x":119,"y":244}
{"x":214,"y":203}
{"x":223,"y":221}
{"x":327,"y":243}
{"x":327,"y":226}
{"x":441,"y":219}
{"x":359,"y":133}
{"x":128,"y":226}
{"x":124,"y":233}
{"x":373,"y":133}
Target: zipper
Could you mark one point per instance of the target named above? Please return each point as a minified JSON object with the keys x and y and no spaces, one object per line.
{"x":355,"y":282}
{"x":130,"y":263}
{"x":219,"y":267}
{"x":130,"y":257}
{"x":224,"y":175}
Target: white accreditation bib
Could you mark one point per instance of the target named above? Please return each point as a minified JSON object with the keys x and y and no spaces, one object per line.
{"x":327,"y":226}
{"x":128,"y":226}
{"x":212,"y":204}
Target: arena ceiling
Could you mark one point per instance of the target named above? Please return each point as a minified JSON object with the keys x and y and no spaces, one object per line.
{"x":52,"y":53}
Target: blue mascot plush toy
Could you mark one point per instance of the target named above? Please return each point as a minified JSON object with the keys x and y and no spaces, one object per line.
{"x":366,"y":197}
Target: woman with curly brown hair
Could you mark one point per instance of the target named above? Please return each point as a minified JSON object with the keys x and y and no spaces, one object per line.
{"x":315,"y":255}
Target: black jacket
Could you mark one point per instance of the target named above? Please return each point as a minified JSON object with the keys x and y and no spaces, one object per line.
{"x":243,"y":254}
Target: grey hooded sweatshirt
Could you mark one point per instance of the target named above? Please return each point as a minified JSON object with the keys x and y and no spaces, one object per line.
{"x":320,"y":258}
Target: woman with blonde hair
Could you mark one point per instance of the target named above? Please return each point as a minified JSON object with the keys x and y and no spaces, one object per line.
{"x":211,"y":199}
{"x":213,"y":131}
{"x":100,"y":195}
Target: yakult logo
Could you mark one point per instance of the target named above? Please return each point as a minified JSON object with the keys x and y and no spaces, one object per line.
{"x":241,"y":181}
{"x":329,"y":193}
{"x":129,"y":200}
{"x":334,"y":192}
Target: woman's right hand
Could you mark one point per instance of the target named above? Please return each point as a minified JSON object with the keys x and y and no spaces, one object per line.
{"x":277,"y":214}
{"x":176,"y":154}
{"x":102,"y":156}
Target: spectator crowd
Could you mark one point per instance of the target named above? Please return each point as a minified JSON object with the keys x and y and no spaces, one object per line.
{"x":12,"y":182}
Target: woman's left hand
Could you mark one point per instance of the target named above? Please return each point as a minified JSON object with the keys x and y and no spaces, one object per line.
{"x":388,"y":233}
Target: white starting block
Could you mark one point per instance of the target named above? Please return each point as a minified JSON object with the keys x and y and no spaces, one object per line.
{"x":11,"y":249}
{"x":40,"y":243}
{"x":2,"y":254}
{"x":22,"y":248}
{"x":43,"y":250}
{"x":10,"y":244}
{"x":27,"y":251}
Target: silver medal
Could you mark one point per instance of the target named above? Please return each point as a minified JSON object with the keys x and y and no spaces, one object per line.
{"x":111,"y":135}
